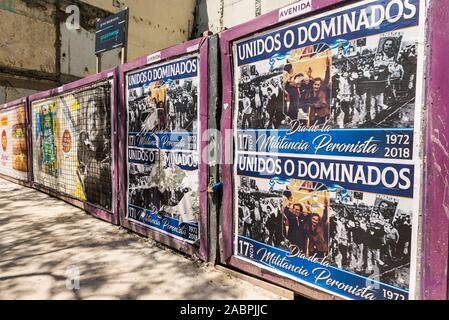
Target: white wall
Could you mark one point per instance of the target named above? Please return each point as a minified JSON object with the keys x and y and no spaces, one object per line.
{"x":238,"y":11}
{"x":215,"y":15}
{"x":269,"y":5}
{"x":78,"y":53}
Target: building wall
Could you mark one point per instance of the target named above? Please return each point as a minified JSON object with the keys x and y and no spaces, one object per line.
{"x":38,"y":51}
{"x":8,"y":94}
{"x":24,"y":53}
{"x":22,"y":44}
{"x":215,"y":15}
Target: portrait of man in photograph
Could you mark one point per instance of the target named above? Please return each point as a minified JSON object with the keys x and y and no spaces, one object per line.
{"x":94,"y":146}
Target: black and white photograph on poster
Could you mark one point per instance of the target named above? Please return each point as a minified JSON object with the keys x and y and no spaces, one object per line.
{"x":164,"y":106}
{"x":260,"y":212}
{"x":364,"y":83}
{"x":137,"y":103}
{"x":373,"y":82}
{"x":261,"y":98}
{"x":142,"y":183}
{"x":280,"y":96}
{"x":291,"y":215}
{"x":371,"y":235}
{"x":179,"y":187}
{"x":182,"y":105}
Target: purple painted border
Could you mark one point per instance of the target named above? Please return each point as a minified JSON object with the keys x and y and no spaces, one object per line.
{"x":169,"y":53}
{"x":203,"y":166}
{"x":435,"y":227}
{"x":10,"y":105}
{"x":270,"y":20}
{"x":111,"y":217}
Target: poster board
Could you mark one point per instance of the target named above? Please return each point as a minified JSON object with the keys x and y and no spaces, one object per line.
{"x":326,"y":113}
{"x":74,"y":145}
{"x":164,"y":187}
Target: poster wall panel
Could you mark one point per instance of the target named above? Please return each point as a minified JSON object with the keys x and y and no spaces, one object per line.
{"x":73,"y":144}
{"x":163,"y":147}
{"x":164,"y":107}
{"x":327,"y":171}
{"x":13,"y":151}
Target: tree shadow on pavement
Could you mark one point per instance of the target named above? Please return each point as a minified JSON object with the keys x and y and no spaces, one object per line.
{"x":45,"y":243}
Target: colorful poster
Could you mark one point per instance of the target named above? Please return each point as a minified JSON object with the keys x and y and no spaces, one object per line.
{"x":47,"y":143}
{"x":72,"y":138}
{"x":163,"y":149}
{"x":327,"y":128}
{"x":13,"y":150}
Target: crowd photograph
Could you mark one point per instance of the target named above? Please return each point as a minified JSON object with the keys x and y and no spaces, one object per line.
{"x":374,"y":83}
{"x":292,"y":216}
{"x":167,"y":193}
{"x":371,"y":236}
{"x":260,"y":104}
{"x":259,"y":212}
{"x":364,"y":83}
{"x":297,"y":93}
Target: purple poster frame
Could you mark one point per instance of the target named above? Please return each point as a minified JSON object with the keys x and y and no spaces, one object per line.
{"x":10,"y":105}
{"x":111,"y":217}
{"x":434,"y":259}
{"x":201,"y":46}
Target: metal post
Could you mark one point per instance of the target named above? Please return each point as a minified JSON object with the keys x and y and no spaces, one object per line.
{"x":124,"y":54}
{"x":98,"y":63}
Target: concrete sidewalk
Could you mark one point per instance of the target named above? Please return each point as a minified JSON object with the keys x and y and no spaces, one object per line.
{"x":43,"y":241}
